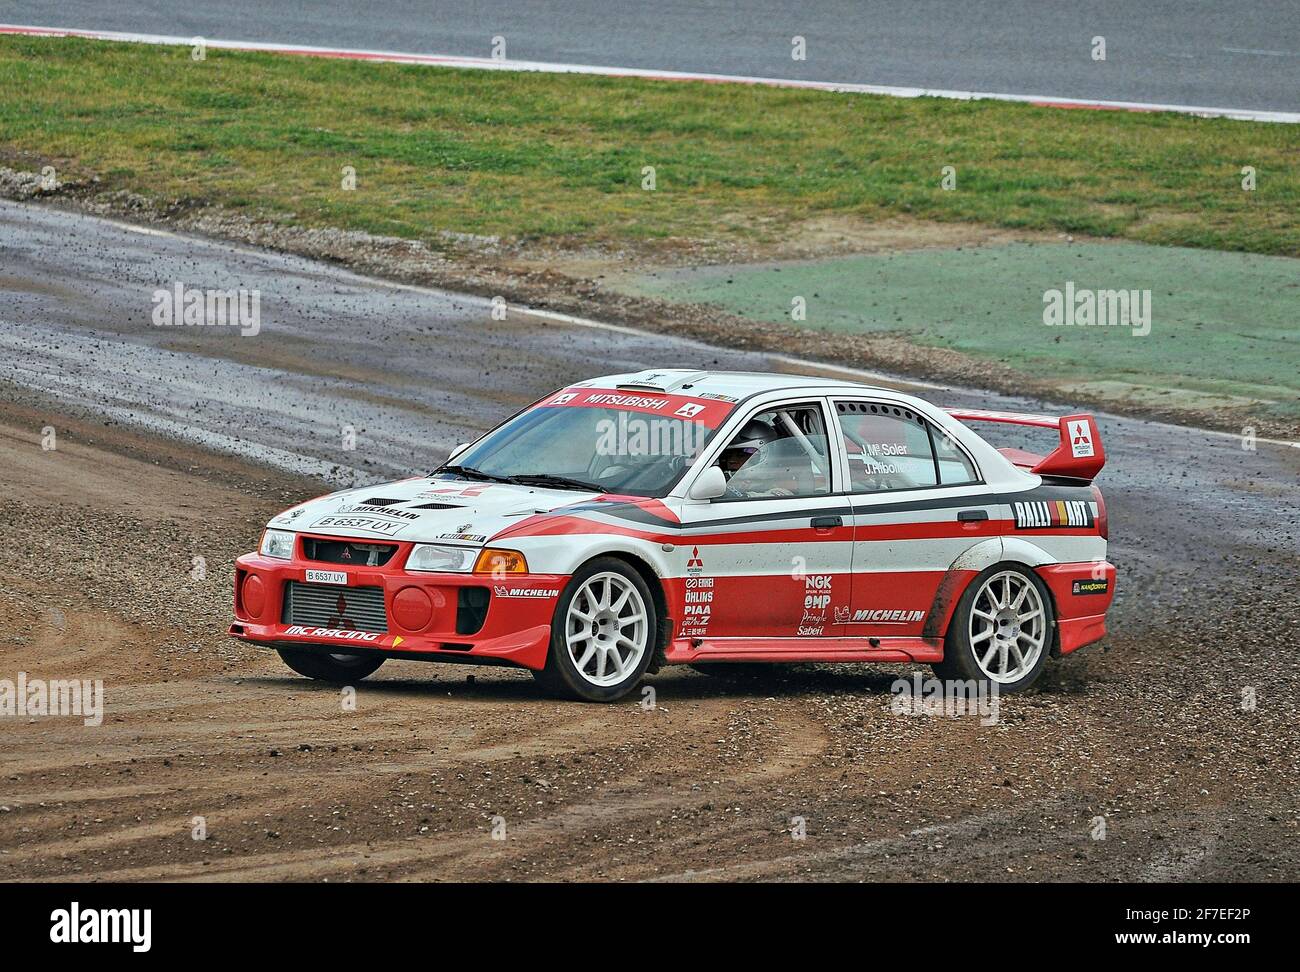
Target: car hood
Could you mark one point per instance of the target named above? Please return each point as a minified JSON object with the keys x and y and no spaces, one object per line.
{"x":426,"y":510}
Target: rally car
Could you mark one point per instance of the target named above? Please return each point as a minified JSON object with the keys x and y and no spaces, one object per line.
{"x":705,"y":518}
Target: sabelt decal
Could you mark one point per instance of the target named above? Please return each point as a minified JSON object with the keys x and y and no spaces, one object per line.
{"x":816,"y":601}
{"x":500,"y":591}
{"x":1080,"y":439}
{"x":1081,"y":587}
{"x":327,"y":577}
{"x":368,"y":523}
{"x":708,"y":411}
{"x":335,"y":634}
{"x":1046,"y":514}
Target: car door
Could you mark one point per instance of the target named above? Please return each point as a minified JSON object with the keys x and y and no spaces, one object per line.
{"x":909,"y":487}
{"x":771,"y":559}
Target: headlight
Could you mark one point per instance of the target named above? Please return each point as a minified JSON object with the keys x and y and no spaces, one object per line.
{"x":436,"y":556}
{"x":277,"y":544}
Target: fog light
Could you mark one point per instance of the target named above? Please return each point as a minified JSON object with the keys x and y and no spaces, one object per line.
{"x":412,"y":609}
{"x":254,"y":595}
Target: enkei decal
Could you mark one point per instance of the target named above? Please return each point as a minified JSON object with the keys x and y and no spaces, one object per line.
{"x":1081,"y":587}
{"x":886,"y":616}
{"x":335,"y":633}
{"x":1045,"y":514}
{"x":327,"y":577}
{"x":525,"y":592}
{"x":697,"y":608}
{"x":367,"y":523}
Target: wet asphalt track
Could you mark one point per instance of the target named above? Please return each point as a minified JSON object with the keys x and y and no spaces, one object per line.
{"x":413,"y":372}
{"x":1183,"y":52}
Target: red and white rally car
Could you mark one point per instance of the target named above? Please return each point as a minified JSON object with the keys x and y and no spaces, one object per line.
{"x":674,"y":516}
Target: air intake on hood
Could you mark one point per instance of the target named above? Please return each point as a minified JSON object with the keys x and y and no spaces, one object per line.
{"x":379,"y":501}
{"x":435,"y":506}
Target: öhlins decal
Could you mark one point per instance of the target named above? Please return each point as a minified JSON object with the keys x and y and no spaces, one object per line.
{"x":1045,"y":514}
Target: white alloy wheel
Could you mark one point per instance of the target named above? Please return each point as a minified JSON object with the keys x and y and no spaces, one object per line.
{"x":607,"y":629}
{"x":1008,"y":626}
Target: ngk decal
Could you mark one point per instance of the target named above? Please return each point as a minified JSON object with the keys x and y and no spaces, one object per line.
{"x":816,"y":599}
{"x":698,"y":606}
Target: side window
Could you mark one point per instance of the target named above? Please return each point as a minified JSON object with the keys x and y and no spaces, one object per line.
{"x":954,"y":468}
{"x":780,"y":452}
{"x":887,"y":446}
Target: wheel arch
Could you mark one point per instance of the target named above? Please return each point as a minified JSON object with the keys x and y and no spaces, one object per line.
{"x":654,"y":582}
{"x":961,"y":573}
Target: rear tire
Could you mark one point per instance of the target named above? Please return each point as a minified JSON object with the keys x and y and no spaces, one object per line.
{"x":337,"y":669}
{"x":603,"y":635}
{"x":1001,"y":631}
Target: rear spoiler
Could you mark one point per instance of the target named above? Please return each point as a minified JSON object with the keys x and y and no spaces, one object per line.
{"x":1079,"y":456}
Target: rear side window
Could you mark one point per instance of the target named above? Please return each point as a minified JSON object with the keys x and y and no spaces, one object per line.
{"x":955,"y":469}
{"x":888,"y":447}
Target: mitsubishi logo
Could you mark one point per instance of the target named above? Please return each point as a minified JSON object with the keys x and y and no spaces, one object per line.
{"x":341,"y":620}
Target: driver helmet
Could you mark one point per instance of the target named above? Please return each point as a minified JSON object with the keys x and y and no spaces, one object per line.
{"x":747,"y":443}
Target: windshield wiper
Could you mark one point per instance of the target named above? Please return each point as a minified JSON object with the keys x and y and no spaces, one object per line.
{"x":469,"y":472}
{"x":547,"y":479}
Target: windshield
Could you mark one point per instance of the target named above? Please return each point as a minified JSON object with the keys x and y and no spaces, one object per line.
{"x":612,"y":442}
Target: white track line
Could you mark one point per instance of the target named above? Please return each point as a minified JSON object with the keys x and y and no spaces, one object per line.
{"x":491,"y":64}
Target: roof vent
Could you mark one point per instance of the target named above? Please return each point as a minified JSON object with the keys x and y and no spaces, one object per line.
{"x":662,"y":381}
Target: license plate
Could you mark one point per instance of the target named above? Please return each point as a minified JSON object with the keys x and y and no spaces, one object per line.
{"x":327,"y":577}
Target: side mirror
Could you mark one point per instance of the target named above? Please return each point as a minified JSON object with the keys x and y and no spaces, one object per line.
{"x":710,"y":484}
{"x":457,"y":451}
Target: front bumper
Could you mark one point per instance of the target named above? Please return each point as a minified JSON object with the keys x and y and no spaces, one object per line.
{"x":426,"y":613}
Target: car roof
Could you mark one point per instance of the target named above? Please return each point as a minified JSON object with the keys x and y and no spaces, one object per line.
{"x":735,"y":384}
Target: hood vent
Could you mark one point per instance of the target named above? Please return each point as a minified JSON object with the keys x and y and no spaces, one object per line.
{"x":435,"y":506}
{"x":379,"y":501}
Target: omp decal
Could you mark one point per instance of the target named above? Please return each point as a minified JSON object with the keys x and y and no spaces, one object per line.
{"x":335,"y":633}
{"x":886,"y":616}
{"x":1081,"y":587}
{"x":1046,"y":514}
{"x":327,"y":577}
{"x":367,"y":523}
{"x":525,"y":592}
{"x":816,"y":600}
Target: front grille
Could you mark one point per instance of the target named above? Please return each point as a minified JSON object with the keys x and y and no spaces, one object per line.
{"x":331,"y":606}
{"x":351,"y":554}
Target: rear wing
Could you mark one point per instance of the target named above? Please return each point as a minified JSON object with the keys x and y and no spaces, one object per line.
{"x":1079,"y":456}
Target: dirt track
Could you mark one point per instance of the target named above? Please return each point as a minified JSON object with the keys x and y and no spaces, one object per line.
{"x":95,"y":581}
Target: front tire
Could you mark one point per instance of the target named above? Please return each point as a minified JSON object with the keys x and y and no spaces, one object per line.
{"x":1001,"y":630}
{"x":337,"y":669}
{"x":603,"y":634}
